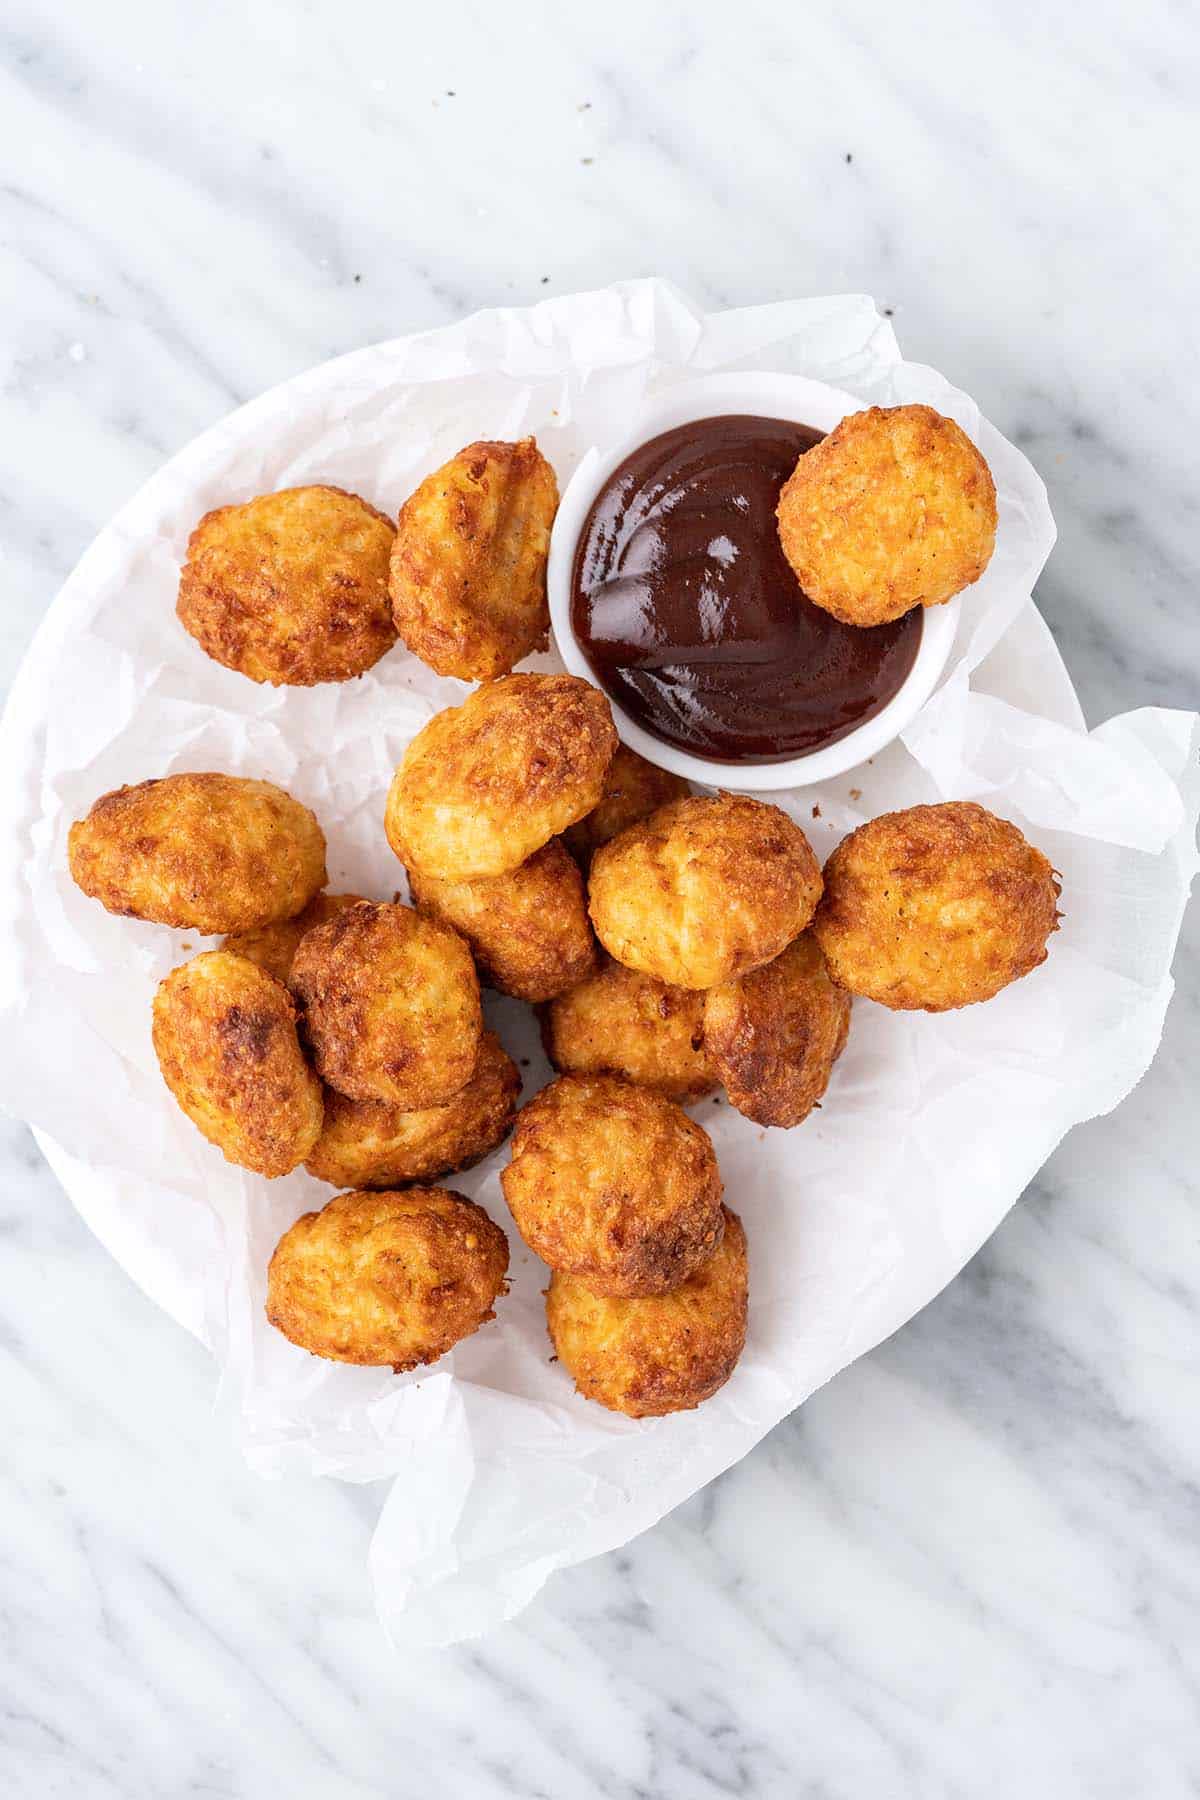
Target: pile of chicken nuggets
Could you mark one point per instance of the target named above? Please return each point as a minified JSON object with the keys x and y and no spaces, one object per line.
{"x":672,"y":942}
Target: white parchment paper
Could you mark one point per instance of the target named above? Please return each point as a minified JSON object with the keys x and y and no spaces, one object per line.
{"x":931,"y":1128}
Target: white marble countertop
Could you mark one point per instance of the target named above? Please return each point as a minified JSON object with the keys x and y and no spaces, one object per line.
{"x":967,"y":1567}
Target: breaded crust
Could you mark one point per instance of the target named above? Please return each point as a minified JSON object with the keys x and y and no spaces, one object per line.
{"x":367,"y":1144}
{"x":633,"y":789}
{"x":528,"y":931}
{"x":468,"y":567}
{"x":935,"y":907}
{"x":614,"y":1184}
{"x":383,"y":1278}
{"x":775,"y":1034}
{"x":290,"y":588}
{"x":485,"y":784}
{"x":225,"y":1037}
{"x":209,"y":853}
{"x":662,"y":1354}
{"x":631,"y":1025}
{"x":896,"y":508}
{"x":704,"y":889}
{"x":273,"y":947}
{"x":391,"y":1005}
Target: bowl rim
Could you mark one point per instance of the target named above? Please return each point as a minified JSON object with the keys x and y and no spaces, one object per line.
{"x":797,"y":398}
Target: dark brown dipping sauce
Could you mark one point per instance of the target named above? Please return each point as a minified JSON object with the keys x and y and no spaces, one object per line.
{"x":690,"y":616}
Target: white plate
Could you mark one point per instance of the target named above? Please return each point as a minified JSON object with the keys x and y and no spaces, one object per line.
{"x":932,"y":1126}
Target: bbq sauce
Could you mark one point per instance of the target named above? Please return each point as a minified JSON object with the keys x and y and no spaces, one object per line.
{"x":689,"y":613}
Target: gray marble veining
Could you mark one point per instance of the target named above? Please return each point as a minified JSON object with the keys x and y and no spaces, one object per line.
{"x":968,"y":1567}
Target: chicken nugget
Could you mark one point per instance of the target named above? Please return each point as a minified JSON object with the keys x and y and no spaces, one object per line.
{"x":382,"y":1278}
{"x":225,"y":1037}
{"x":273,"y":947}
{"x":208,"y":853}
{"x":631,"y":1025}
{"x":661,"y":1354}
{"x":614,"y":1184}
{"x":290,"y":588}
{"x":896,"y":508}
{"x":368,"y":1144}
{"x":775,"y":1034}
{"x":704,"y":889}
{"x":468,"y":569}
{"x":633,"y":789}
{"x":935,"y":907}
{"x":528,"y":931}
{"x":391,"y":1005}
{"x":485,"y":784}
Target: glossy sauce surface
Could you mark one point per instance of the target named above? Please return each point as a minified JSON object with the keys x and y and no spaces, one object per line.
{"x":691,"y":618}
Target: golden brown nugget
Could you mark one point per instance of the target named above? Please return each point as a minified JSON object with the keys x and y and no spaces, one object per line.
{"x":391,"y":1005}
{"x":633,"y":789}
{"x":631,"y":1025}
{"x":208,"y":853}
{"x":368,"y":1144}
{"x":775,"y":1034}
{"x":468,"y":568}
{"x":384,"y":1278}
{"x":291,"y":588}
{"x":704,"y":889}
{"x":225,"y":1037}
{"x":662,"y":1354}
{"x":528,"y":931}
{"x":485,"y":784}
{"x":935,"y":907}
{"x":896,"y":508}
{"x":273,"y":947}
{"x":614,"y":1184}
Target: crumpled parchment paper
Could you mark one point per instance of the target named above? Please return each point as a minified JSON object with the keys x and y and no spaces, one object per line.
{"x":931,"y":1128}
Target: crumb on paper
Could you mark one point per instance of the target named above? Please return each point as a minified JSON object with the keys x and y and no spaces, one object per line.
{"x":887,"y":313}
{"x":849,"y":156}
{"x":816,"y":812}
{"x":856,"y":793}
{"x":585,"y":160}
{"x":545,"y":279}
{"x":584,"y":106}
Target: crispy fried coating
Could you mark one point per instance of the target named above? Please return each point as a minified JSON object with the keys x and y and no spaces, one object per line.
{"x":631,"y":1025}
{"x":528,"y":930}
{"x":775,"y":1034}
{"x":391,"y":1005}
{"x":704,"y":889}
{"x":290,"y":588}
{"x":896,"y":508}
{"x":368,"y":1144}
{"x":206,"y":853}
{"x":614,"y":1184}
{"x":633,"y":789}
{"x":485,"y":784}
{"x":382,"y":1278}
{"x":468,"y":569}
{"x":661,"y":1354}
{"x":273,"y":947}
{"x":935,"y":907}
{"x":225,"y":1037}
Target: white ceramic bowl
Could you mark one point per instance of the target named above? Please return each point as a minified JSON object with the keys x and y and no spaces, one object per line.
{"x":806,"y":402}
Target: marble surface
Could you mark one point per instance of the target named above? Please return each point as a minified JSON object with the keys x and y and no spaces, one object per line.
{"x":967,"y":1567}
